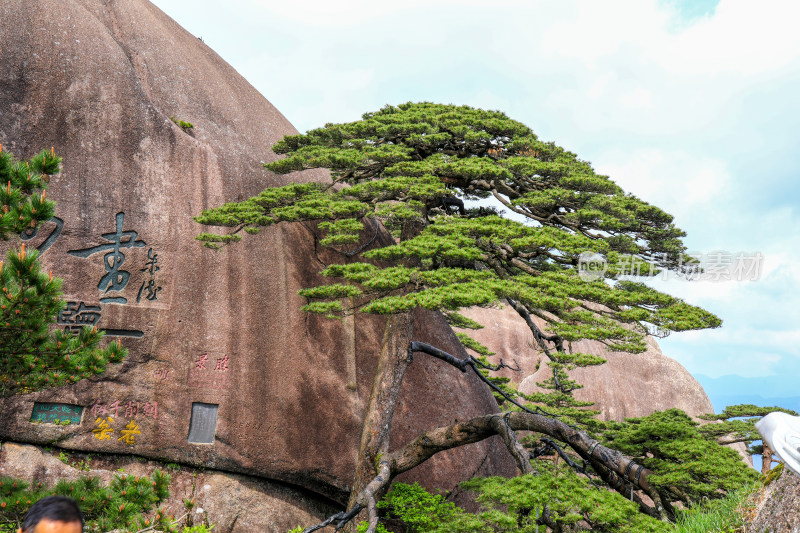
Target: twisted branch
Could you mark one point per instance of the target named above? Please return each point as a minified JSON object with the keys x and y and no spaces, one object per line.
{"x":479,"y":428}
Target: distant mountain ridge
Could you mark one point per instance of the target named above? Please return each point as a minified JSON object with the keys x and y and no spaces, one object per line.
{"x":782,"y":390}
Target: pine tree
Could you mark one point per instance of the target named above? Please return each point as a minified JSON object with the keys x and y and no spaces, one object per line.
{"x":126,"y":504}
{"x":558,"y":245}
{"x":737,"y":423}
{"x":33,"y":355}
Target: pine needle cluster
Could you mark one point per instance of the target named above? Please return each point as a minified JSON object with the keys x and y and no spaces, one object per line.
{"x":129,"y":503}
{"x":23,"y":200}
{"x":34,"y":355}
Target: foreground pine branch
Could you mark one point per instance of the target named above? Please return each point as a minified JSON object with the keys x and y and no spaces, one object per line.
{"x":33,"y":355}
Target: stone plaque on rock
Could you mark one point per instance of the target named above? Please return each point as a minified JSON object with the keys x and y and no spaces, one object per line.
{"x":203,"y":424}
{"x":56,"y":413}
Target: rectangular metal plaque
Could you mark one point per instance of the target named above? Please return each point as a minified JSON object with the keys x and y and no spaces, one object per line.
{"x":56,"y":413}
{"x":203,"y":424}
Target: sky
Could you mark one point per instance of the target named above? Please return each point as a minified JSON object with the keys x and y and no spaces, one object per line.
{"x":692,"y":105}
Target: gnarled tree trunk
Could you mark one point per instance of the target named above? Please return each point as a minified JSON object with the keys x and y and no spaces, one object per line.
{"x":376,"y":431}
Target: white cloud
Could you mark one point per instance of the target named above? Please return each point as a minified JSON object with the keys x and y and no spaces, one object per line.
{"x":355,"y":13}
{"x":742,"y":38}
{"x":685,"y":185}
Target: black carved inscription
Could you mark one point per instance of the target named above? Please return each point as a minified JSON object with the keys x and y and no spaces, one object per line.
{"x":115,"y":279}
{"x":149,"y":286}
{"x":48,"y":242}
{"x":133,"y":333}
{"x":76,"y":315}
{"x":203,"y":424}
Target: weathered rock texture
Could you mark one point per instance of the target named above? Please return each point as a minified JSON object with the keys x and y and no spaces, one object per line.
{"x":234,"y":503}
{"x":779,"y":508}
{"x":627,"y":385}
{"x":99,"y":81}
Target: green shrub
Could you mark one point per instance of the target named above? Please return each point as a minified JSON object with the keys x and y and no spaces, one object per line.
{"x":129,"y":503}
{"x":185,"y":126}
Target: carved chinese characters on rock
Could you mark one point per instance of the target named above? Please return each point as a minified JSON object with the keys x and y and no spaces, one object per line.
{"x":210,"y":371}
{"x":149,"y":285}
{"x":56,"y":413}
{"x":106,"y":417}
{"x":126,"y":272}
{"x":246,"y":429}
{"x":103,"y":429}
{"x":129,"y":409}
{"x":51,"y":238}
{"x":222,"y":364}
{"x":116,"y":278}
{"x":76,"y":315}
{"x":130,"y":267}
{"x":129,"y":433}
{"x":115,"y":275}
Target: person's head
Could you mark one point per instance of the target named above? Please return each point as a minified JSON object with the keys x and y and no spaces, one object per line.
{"x":54,"y":514}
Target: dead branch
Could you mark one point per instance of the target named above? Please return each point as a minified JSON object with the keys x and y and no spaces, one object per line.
{"x":499,"y":366}
{"x":463,"y":365}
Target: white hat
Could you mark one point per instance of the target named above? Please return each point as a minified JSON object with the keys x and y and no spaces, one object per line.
{"x":782,"y":432}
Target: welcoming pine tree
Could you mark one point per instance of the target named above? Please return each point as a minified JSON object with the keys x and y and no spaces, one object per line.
{"x":32,"y":356}
{"x":395,"y":209}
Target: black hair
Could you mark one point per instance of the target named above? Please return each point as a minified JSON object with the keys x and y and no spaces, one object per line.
{"x":55,"y":508}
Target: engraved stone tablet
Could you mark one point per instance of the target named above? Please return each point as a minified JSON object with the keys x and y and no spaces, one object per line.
{"x":56,"y":413}
{"x":203,"y":424}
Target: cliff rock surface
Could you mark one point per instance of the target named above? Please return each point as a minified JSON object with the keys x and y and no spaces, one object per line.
{"x":627,"y":385}
{"x":778,"y":510}
{"x":225,"y":371}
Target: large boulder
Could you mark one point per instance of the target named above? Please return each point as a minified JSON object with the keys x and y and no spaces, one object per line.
{"x":224,"y":370}
{"x":627,"y":385}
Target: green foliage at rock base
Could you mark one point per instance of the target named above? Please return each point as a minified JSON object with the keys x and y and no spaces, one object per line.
{"x":724,"y":515}
{"x":421,"y":511}
{"x":570,"y":498}
{"x":128,"y":503}
{"x":202,"y":528}
{"x":516,"y":505}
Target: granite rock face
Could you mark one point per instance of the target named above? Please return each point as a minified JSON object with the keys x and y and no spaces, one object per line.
{"x":627,"y":385}
{"x":224,"y":370}
{"x":778,"y":510}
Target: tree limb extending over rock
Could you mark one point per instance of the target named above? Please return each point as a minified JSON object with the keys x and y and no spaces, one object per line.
{"x":482,"y":427}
